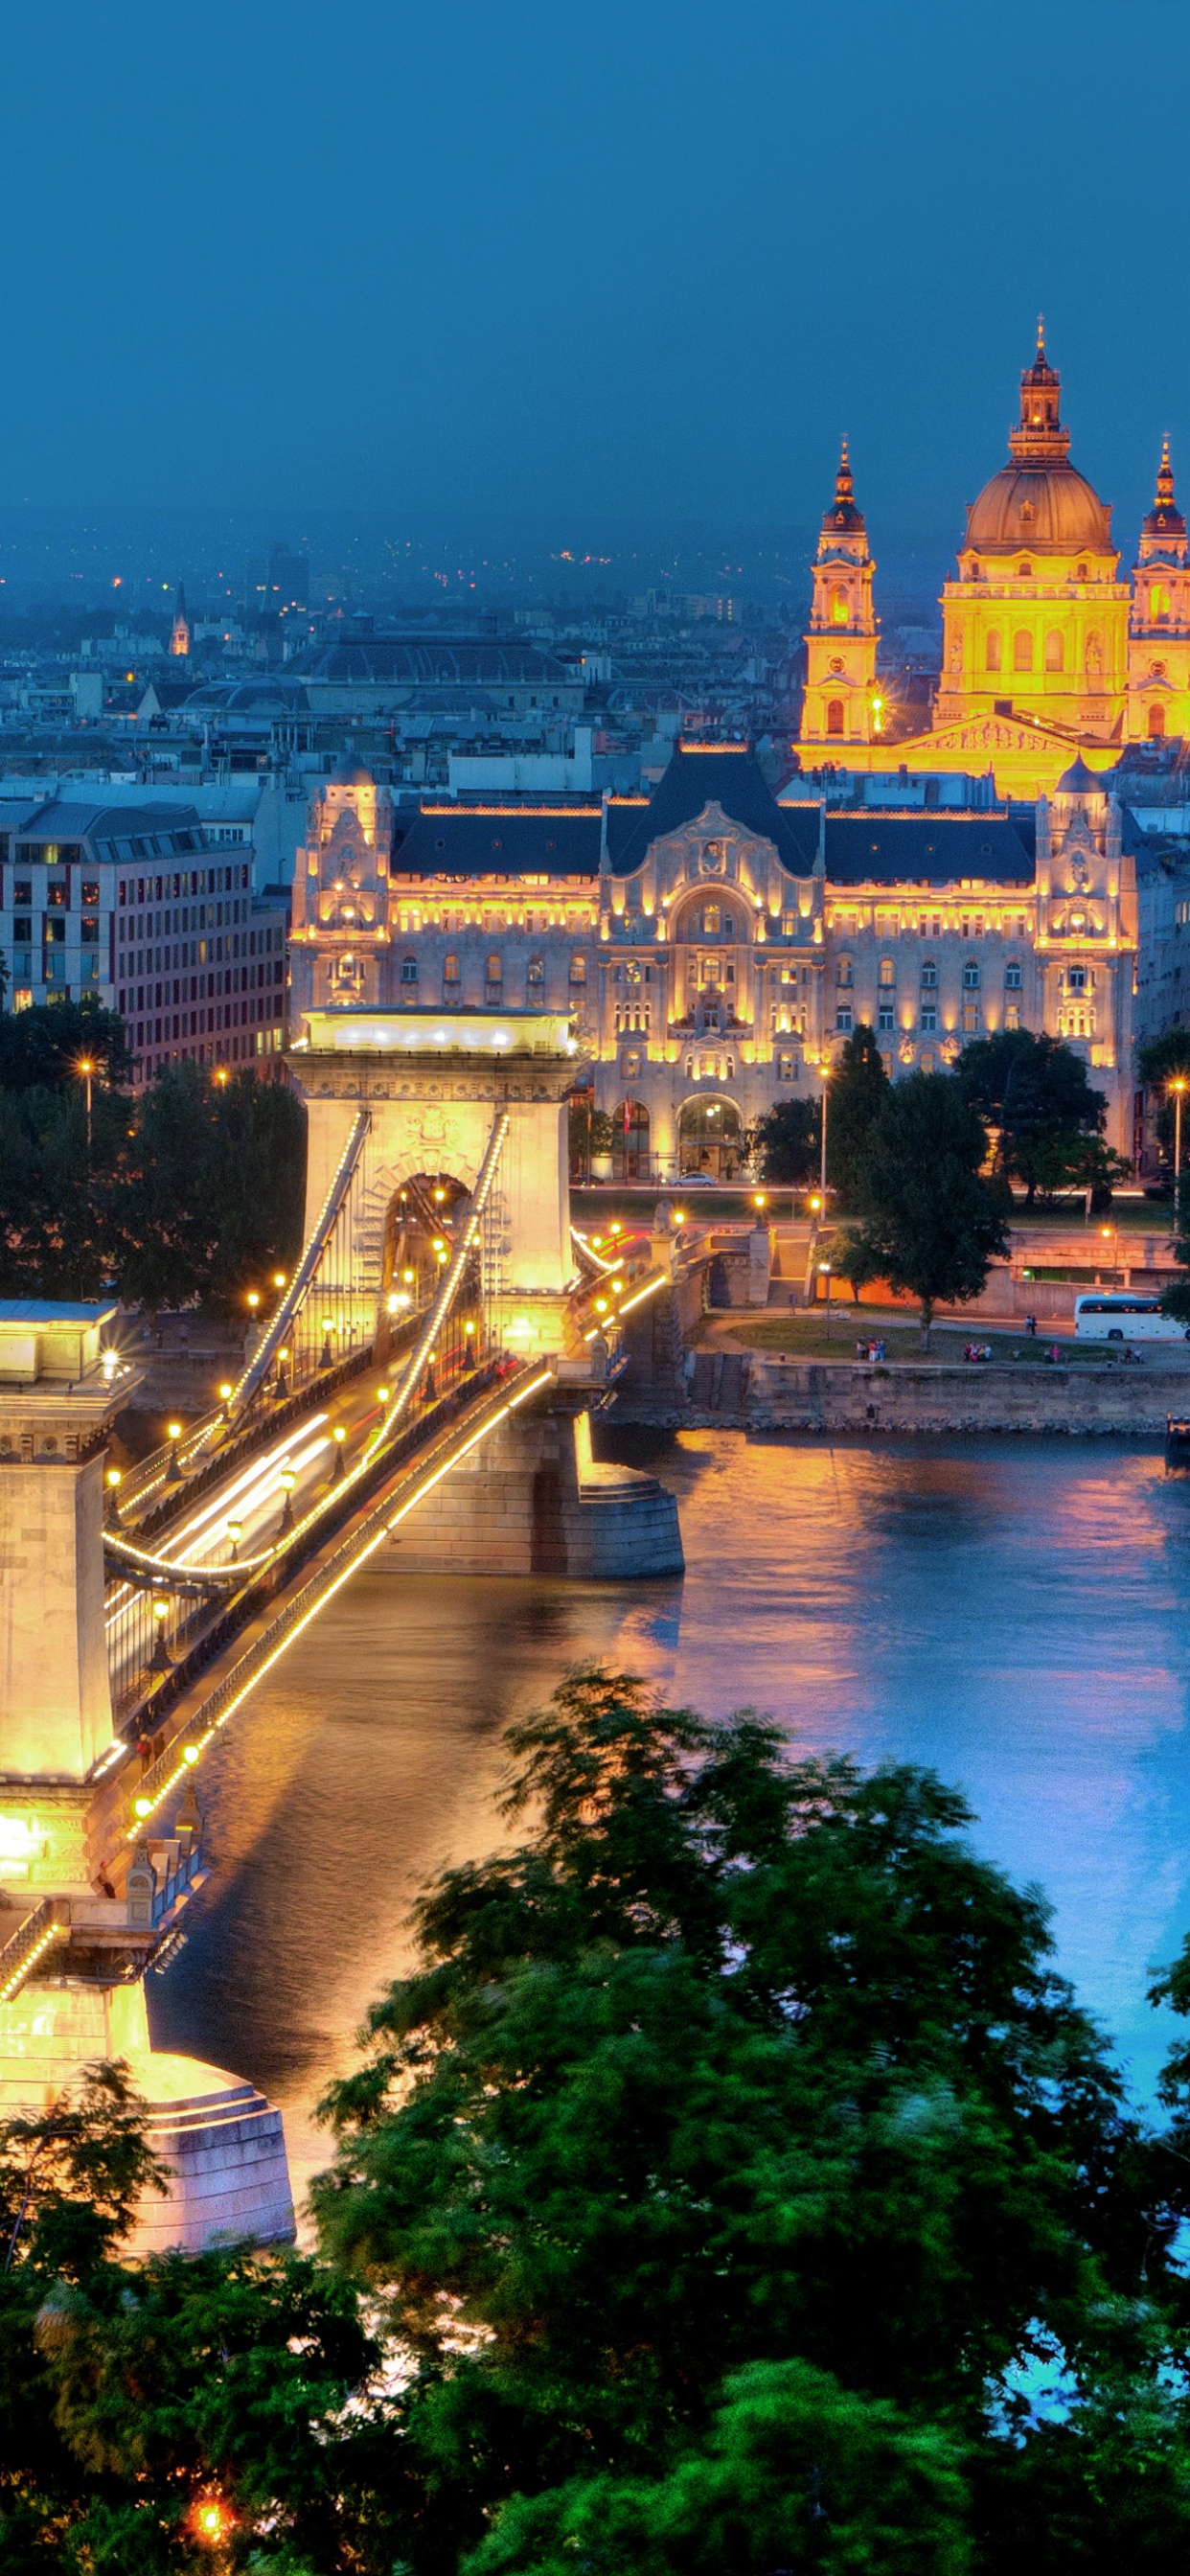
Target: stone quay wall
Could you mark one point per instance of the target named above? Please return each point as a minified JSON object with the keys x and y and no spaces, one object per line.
{"x":530,"y":1499}
{"x":906,"y":1397}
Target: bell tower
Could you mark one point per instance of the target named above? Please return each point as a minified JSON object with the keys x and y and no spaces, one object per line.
{"x":842,"y":702}
{"x":1159,"y":626}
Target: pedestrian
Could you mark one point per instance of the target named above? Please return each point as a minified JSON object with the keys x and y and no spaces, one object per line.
{"x":1031,"y":1327}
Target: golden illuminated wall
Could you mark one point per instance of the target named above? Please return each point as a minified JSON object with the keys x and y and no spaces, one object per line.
{"x":843,"y":703}
{"x":1047,"y":637}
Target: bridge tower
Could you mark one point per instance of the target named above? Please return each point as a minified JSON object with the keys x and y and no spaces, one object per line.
{"x":74,"y":1946}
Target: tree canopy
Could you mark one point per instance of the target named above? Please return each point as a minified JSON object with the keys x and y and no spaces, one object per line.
{"x":931,"y":1222}
{"x":703,"y":2202}
{"x":789,"y":1140}
{"x":190,"y":1191}
{"x":1036,"y":1093}
{"x":856,"y":1093}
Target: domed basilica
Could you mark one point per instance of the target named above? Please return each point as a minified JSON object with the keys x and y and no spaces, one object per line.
{"x":1045,"y":651}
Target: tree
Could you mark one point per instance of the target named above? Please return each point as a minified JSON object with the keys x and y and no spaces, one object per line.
{"x":854,"y":1259}
{"x":1035,"y":1093}
{"x":788,"y":1139}
{"x":857,"y":1091}
{"x":1157,"y":1063}
{"x":931,"y":1222}
{"x":728,"y":2148}
{"x":41,"y":1048}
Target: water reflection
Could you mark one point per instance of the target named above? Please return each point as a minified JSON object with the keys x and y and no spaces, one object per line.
{"x":1013,"y":1615}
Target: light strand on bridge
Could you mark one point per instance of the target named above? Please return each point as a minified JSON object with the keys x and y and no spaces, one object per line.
{"x":150,"y":1794}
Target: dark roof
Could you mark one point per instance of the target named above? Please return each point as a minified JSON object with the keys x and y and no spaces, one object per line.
{"x":696,"y":778}
{"x":498,"y":840}
{"x":934,"y":848}
{"x":108,"y":822}
{"x":420,"y":661}
{"x":1078,"y":780}
{"x":260,"y":696}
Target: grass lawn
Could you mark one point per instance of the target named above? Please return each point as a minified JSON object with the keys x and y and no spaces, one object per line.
{"x":805,"y":1337}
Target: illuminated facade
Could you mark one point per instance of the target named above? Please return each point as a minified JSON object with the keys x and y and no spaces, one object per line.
{"x":716,"y":948}
{"x":842,"y":701}
{"x":1045,"y":651}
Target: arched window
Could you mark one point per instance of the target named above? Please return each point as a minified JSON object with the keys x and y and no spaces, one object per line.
{"x":536,"y":974}
{"x":493,"y":973}
{"x":993,"y":654}
{"x":1081,"y":573}
{"x":409,"y":969}
{"x":844,"y":976}
{"x":1012,"y":976}
{"x":450,"y":969}
{"x":929,"y":975}
{"x":1156,"y":723}
{"x":1022,"y":650}
{"x":887,"y":973}
{"x":840,"y":607}
{"x":1053,"y":651}
{"x":578,"y":968}
{"x":710,"y":921}
{"x":1026,"y":572}
{"x":834,"y":715}
{"x":1159,"y":604}
{"x":971,"y":975}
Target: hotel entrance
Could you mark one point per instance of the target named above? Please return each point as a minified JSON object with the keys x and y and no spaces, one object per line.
{"x":710,"y":1139}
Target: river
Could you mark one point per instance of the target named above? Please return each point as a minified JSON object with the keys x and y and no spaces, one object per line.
{"x":1011,"y":1612}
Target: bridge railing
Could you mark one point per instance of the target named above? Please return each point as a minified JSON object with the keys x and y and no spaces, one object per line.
{"x":279,"y":1333}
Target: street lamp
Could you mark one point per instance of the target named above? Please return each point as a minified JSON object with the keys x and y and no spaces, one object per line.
{"x":226,"y":1392}
{"x":288,"y":1481}
{"x":173,"y":1473}
{"x":281,"y":1386}
{"x":1108,"y":1232}
{"x":159,"y":1659}
{"x":112,"y":1480}
{"x":328,"y":1356}
{"x":824,"y":1269}
{"x":340,"y":1436}
{"x":1179,"y":1086}
{"x":86,"y":1066}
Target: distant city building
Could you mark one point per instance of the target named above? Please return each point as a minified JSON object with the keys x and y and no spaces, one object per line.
{"x":179,"y":641}
{"x":716,"y":947}
{"x":1046,"y":652}
{"x":127,"y":906}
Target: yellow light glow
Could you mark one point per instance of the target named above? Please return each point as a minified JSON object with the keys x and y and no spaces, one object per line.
{"x":339,"y":1433}
{"x":18,"y":1840}
{"x":679,"y":1216}
{"x":254,"y":1297}
{"x":225,"y":1392}
{"x":174,"y":1430}
{"x":113,"y":1478}
{"x":278,"y":1279}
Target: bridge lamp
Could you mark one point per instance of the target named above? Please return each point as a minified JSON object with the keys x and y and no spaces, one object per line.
{"x":281,"y":1387}
{"x":113,"y":1480}
{"x":601,"y":1305}
{"x":679,"y":1216}
{"x":235,"y":1532}
{"x":440,"y":1258}
{"x":597,"y":1240}
{"x":440,"y":1195}
{"x":759,"y":1199}
{"x":278,"y":1278}
{"x":382,"y":1395}
{"x":615,"y":1229}
{"x":340,"y":1436}
{"x":438,"y":1241}
{"x":328,"y":1326}
{"x":173,"y":1473}
{"x":288,"y":1481}
{"x":408,"y":1277}
{"x":159,"y":1659}
{"x":253,"y":1298}
{"x":190,"y":1753}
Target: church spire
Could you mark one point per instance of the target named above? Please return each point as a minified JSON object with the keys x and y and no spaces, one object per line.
{"x":1041,"y":435}
{"x":1164,"y":522}
{"x":843,"y":519}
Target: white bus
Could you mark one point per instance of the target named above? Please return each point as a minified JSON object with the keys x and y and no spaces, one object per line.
{"x":1104,"y":1318}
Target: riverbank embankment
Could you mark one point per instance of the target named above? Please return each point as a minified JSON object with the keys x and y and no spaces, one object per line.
{"x":779,"y":1393}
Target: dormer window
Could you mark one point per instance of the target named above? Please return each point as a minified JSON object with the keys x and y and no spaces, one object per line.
{"x":1082,"y":573}
{"x":1026,"y":572}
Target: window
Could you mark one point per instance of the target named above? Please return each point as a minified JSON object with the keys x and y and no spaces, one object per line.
{"x":631,"y":1064}
{"x":1076,"y":979}
{"x":578,"y":969}
{"x":55,"y":895}
{"x":929,"y":1017}
{"x":927,"y":1060}
{"x":834,"y":715}
{"x":1156,"y":723}
{"x":1026,"y":573}
{"x":971,"y":975}
{"x":22,"y":891}
{"x":22,"y":927}
{"x":970,"y":1019}
{"x":839,"y":607}
{"x":710,"y":921}
{"x":1053,"y":651}
{"x":843,"y":1021}
{"x":887,"y":973}
{"x":536,"y":973}
{"x":843,"y":972}
{"x":1081,"y":573}
{"x":787,"y":1068}
{"x":90,"y":892}
{"x":994,"y":654}
{"x":1012,"y":976}
{"x":1022,"y":651}
{"x":493,"y":973}
{"x":1012,"y":1015}
{"x":1159,"y":604}
{"x":409,"y":970}
{"x":89,"y":931}
{"x":886,"y":1017}
{"x":929,"y":975}
{"x":450,"y":968}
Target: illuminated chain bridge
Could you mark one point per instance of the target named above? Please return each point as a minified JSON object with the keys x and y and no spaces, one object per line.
{"x":421,"y":1398}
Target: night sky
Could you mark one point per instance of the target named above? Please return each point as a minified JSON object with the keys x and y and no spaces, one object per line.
{"x":640,"y":261}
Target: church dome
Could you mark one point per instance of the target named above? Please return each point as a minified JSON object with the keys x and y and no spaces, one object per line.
{"x":1039,"y":503}
{"x":1051,"y":508}
{"x":351,"y":773}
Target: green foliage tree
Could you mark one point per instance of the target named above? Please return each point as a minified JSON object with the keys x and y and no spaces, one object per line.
{"x":41,"y":1049}
{"x":789,"y":1142}
{"x":931,"y":1221}
{"x":1035,"y":1093}
{"x":731,"y":2144}
{"x":855,"y":1259}
{"x":857,"y":1091}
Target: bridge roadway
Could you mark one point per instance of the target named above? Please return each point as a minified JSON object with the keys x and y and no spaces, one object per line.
{"x":307,"y":1567}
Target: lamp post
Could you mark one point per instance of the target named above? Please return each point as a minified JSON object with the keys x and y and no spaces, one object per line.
{"x":112,"y":1480}
{"x":340,"y":1467}
{"x":235,"y":1532}
{"x":288,"y":1481}
{"x":825,"y":1272}
{"x":86,"y":1067}
{"x":159,"y":1659}
{"x":1178,"y":1085}
{"x":1111,"y":1234}
{"x":173,"y":1473}
{"x":815,"y":1205}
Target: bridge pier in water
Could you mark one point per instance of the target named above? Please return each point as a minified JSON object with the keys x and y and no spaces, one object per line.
{"x":533,"y":1500}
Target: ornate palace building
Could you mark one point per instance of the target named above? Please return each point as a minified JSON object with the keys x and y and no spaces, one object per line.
{"x":715,"y":947}
{"x":1045,"y":651}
